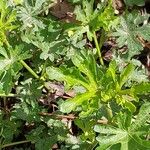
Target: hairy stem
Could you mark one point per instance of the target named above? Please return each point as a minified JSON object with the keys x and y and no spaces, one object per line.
{"x":15,"y":143}
{"x":98,"y":47}
{"x":29,"y":69}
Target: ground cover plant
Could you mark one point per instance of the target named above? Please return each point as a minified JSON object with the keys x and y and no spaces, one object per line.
{"x":74,"y":74}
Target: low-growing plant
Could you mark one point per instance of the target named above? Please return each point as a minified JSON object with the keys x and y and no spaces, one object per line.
{"x":100,"y":85}
{"x":7,"y":20}
{"x":128,"y":132}
{"x":57,"y":90}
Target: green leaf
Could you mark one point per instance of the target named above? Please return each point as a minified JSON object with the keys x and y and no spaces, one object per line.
{"x":126,"y":73}
{"x":112,"y":70}
{"x":8,"y":129}
{"x":135,"y":2}
{"x":116,"y":136}
{"x":145,"y":144}
{"x":45,"y":136}
{"x":131,"y":107}
{"x":7,"y":18}
{"x":85,"y":64}
{"x":125,"y":131}
{"x":93,"y":20}
{"x":71,"y":104}
{"x":11,"y":55}
{"x":7,"y":82}
{"x":86,"y":125}
{"x":84,"y":13}
{"x":5,"y":61}
{"x":50,"y":40}
{"x":124,"y":120}
{"x":72,"y":76}
{"x":28,"y":14}
{"x":104,"y":17}
{"x":142,"y":88}
{"x":142,"y":117}
{"x":9,"y":65}
{"x":129,"y":30}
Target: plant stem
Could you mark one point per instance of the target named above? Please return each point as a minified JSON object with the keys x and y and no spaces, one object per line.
{"x":15,"y":143}
{"x":71,"y":117}
{"x":25,"y":65}
{"x":44,"y":69}
{"x":94,"y":145}
{"x":9,"y":95}
{"x":29,"y":69}
{"x":109,"y":112}
{"x":98,"y":47}
{"x":124,"y":145}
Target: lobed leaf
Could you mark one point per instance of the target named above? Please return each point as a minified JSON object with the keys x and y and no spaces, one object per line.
{"x":142,"y":117}
{"x":72,"y":76}
{"x":129,"y":30}
{"x":113,"y":136}
{"x":142,"y":88}
{"x":127,"y":132}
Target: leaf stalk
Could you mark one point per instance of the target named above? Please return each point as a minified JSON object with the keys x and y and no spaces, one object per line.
{"x":15,"y":143}
{"x":8,"y":95}
{"x":29,"y":69}
{"x":99,"y":46}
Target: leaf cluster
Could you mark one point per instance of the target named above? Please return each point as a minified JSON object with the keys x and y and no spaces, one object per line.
{"x":104,"y":104}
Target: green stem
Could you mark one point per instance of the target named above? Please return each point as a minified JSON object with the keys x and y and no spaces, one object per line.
{"x":124,"y":145}
{"x":109,"y":112}
{"x":15,"y":143}
{"x":6,"y":42}
{"x":29,"y":69}
{"x":94,"y":145}
{"x":98,"y":47}
{"x":44,"y":69}
{"x":9,"y":95}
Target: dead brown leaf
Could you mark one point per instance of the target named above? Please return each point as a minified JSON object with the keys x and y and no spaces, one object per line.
{"x":63,"y":10}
